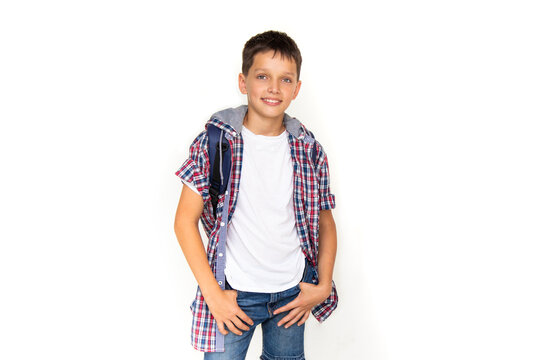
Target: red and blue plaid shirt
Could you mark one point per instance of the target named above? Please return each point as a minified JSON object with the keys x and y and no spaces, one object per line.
{"x":311,"y":194}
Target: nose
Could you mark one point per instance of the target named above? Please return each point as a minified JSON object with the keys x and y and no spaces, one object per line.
{"x":274,"y":86}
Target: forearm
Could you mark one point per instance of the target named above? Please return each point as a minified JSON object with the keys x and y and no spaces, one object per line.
{"x":190,"y":241}
{"x":327,"y":248}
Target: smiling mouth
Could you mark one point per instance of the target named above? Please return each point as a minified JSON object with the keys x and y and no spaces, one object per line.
{"x":271,"y":101}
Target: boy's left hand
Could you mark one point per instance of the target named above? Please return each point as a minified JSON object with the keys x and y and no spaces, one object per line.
{"x":310,"y":295}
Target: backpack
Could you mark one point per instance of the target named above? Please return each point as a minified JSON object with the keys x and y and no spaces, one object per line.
{"x":219,"y":153}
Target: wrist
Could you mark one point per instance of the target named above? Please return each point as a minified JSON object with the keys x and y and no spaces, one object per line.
{"x":326,"y":287}
{"x":212,"y":293}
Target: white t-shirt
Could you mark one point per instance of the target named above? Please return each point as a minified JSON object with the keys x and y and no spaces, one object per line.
{"x":263,"y":251}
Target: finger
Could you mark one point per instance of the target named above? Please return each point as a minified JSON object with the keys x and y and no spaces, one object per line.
{"x":286,"y":307}
{"x":242,"y":315}
{"x":304,"y":318}
{"x":239,"y":324}
{"x":221,"y":328}
{"x":288,"y":317}
{"x":295,"y":319}
{"x":232,"y":328}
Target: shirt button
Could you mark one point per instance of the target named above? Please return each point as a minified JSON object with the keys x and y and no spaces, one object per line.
{"x":220,"y":254}
{"x":227,"y":192}
{"x":219,"y":282}
{"x":222,"y":223}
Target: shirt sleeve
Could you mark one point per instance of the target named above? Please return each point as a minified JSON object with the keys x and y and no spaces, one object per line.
{"x":327,"y":200}
{"x":194,"y":171}
{"x":191,"y":186}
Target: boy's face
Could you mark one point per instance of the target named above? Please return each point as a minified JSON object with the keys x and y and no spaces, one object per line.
{"x":270,"y":85}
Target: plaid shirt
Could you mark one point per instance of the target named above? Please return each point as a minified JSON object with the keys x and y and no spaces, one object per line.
{"x":311,"y":194}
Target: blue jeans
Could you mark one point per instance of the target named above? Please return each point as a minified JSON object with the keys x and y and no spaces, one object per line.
{"x":279,"y":343}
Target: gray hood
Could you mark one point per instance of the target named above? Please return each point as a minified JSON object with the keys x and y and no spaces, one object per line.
{"x":234,"y":117}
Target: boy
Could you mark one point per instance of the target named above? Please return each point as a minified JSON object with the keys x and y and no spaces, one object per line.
{"x":272,"y":242}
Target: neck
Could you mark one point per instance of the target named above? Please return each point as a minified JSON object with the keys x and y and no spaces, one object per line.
{"x":266,"y":127}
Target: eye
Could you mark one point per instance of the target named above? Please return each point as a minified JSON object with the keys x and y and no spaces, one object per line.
{"x":261,"y":76}
{"x":287,"y":80}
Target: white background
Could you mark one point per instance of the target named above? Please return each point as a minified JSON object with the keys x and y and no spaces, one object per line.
{"x":429,"y":113}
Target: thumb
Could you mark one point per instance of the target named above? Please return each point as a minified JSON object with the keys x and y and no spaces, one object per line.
{"x":221,"y":328}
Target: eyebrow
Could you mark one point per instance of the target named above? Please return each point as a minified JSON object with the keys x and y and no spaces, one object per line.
{"x":287,"y":73}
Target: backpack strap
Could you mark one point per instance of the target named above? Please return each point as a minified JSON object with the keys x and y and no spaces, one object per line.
{"x":219,"y":153}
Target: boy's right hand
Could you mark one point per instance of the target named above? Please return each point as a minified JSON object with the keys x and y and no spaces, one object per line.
{"x":226,"y":311}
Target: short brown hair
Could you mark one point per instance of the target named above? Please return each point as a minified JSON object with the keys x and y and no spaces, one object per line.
{"x":271,"y":40}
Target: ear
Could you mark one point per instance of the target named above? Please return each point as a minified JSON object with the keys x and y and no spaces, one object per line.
{"x":297,"y":89}
{"x":242,"y":83}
